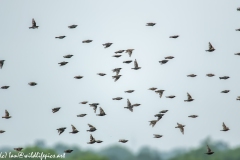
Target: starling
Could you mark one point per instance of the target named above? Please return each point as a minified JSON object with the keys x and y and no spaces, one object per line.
{"x":81,"y":115}
{"x":136,"y":105}
{"x":127,"y":61}
{"x":5,"y":87}
{"x":6,"y":115}
{"x":78,"y":77}
{"x":74,"y":130}
{"x":160,"y":92}
{"x":68,"y":151}
{"x":60,"y":37}
{"x":61,"y":130}
{"x":157,"y":136}
{"x":1,"y":131}
{"x":129,"y":91}
{"x":101,"y":74}
{"x":189,"y":98}
{"x":102,"y":113}
{"x":159,"y":116}
{"x":163,"y":61}
{"x":87,"y":41}
{"x":225,"y":91}
{"x":225,"y":128}
{"x":181,"y":127}
{"x":123,"y":140}
{"x":129,"y":105}
{"x":107,"y":45}
{"x":175,"y":36}
{"x":63,"y":63}
{"x":94,"y":105}
{"x":238,"y":54}
{"x":120,"y":51}
{"x":193,"y":116}
{"x":153,"y":122}
{"x":68,"y":56}
{"x":117,"y":98}
{"x":1,"y":63}
{"x":152,"y":89}
{"x":92,"y":128}
{"x":237,"y":29}
{"x":238,"y":98}
{"x":54,"y":110}
{"x":209,"y":151}
{"x":99,"y":141}
{"x":210,"y":48}
{"x":34,"y":25}
{"x":224,"y":77}
{"x":117,"y":56}
{"x":18,"y":149}
{"x":150,"y":24}
{"x":191,"y":75}
{"x":72,"y":26}
{"x":32,"y":83}
{"x":136,"y":65}
{"x":116,"y":77}
{"x":169,"y":57}
{"x":163,"y":111}
{"x":210,"y":75}
{"x":117,"y":70}
{"x":92,"y":140}
{"x":129,"y":51}
{"x":84,"y":102}
{"x":238,"y":9}
{"x":170,"y":96}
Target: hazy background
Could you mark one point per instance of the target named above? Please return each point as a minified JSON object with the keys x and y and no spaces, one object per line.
{"x":33,"y":55}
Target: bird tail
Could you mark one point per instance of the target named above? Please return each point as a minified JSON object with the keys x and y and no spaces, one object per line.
{"x":113,"y":99}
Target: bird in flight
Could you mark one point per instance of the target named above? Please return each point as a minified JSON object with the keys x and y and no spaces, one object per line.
{"x":68,"y":56}
{"x":72,"y":26}
{"x":102,"y":113}
{"x":61,"y":130}
{"x":5,"y":87}
{"x":116,"y":77}
{"x":106,"y":45}
{"x":54,"y":110}
{"x":225,"y":128}
{"x":209,"y":151}
{"x":92,"y":128}
{"x":87,"y":41}
{"x":63,"y":63}
{"x":117,"y":70}
{"x":136,"y":65}
{"x":193,"y":116}
{"x":191,"y":75}
{"x":92,"y":140}
{"x":160,"y":92}
{"x":18,"y":149}
{"x":94,"y":105}
{"x":210,"y":75}
{"x":163,"y":61}
{"x":34,"y":25}
{"x":150,"y":24}
{"x":169,"y":57}
{"x":175,"y":36}
{"x":189,"y":98}
{"x":129,"y":51}
{"x":224,"y":77}
{"x":119,"y":51}
{"x":7,"y":116}
{"x":129,"y":61}
{"x":1,"y":63}
{"x":81,"y":115}
{"x":181,"y":127}
{"x":60,"y":37}
{"x":157,"y":136}
{"x":210,"y":48}
{"x":123,"y":141}
{"x":129,"y":105}
{"x":74,"y":130}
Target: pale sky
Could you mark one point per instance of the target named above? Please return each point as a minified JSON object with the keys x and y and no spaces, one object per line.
{"x":33,"y":55}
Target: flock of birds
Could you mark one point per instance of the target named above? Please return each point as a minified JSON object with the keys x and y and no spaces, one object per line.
{"x":117,"y":77}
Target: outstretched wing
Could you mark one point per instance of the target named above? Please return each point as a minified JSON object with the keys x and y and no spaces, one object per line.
{"x":160,"y":94}
{"x":224,"y":126}
{"x":189,"y":96}
{"x":129,"y":103}
{"x":210,"y":46}
{"x":182,"y":129}
{"x":208,"y":149}
{"x":91,"y":138}
{"x":101,"y":111}
{"x":73,"y":128}
{"x":91,"y":126}
{"x":135,"y":64}
{"x":33,"y":22}
{"x":6,"y":113}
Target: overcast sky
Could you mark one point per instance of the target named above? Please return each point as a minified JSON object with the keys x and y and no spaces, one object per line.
{"x":33,"y":55}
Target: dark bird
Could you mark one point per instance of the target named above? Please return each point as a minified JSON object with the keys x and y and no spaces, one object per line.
{"x":117,"y":70}
{"x":119,"y":51}
{"x":81,"y":115}
{"x":5,"y":87}
{"x":170,"y":96}
{"x":34,"y":25}
{"x":225,"y":128}
{"x":163,"y":61}
{"x":238,"y":9}
{"x":160,"y":92}
{"x":63,"y":63}
{"x":117,"y":56}
{"x":68,"y":151}
{"x":92,"y":128}
{"x":210,"y":75}
{"x":136,"y":65}
{"x":78,"y":77}
{"x":68,"y":56}
{"x":1,"y":63}
{"x":193,"y":116}
{"x":129,"y":51}
{"x":18,"y":149}
{"x":72,"y":26}
{"x":159,"y":116}
{"x":101,"y":74}
{"x":189,"y":98}
{"x":150,"y":24}
{"x":116,"y":77}
{"x":152,"y":89}
{"x":94,"y":105}
{"x":1,"y":131}
{"x":238,"y":98}
{"x":224,"y":77}
{"x":123,"y":140}
{"x":209,"y":151}
{"x":117,"y":98}
{"x":163,"y":111}
{"x":7,"y":116}
{"x":237,"y":29}
{"x":169,"y":57}
{"x":238,"y":54}
{"x":99,"y":141}
{"x":225,"y":91}
{"x":136,"y":105}
{"x":87,"y":41}
{"x":191,"y":75}
{"x":129,"y":105}
{"x":74,"y":130}
{"x":127,"y":61}
{"x":129,"y":91}
{"x":210,"y":48}
{"x":61,"y":130}
{"x":84,"y":102}
{"x":32,"y":83}
{"x":102,"y":113}
{"x":60,"y":37}
{"x":175,"y":36}
{"x":92,"y":140}
{"x":181,"y":127}
{"x":107,"y":45}
{"x":153,"y":123}
{"x":157,"y":136}
{"x":54,"y":110}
